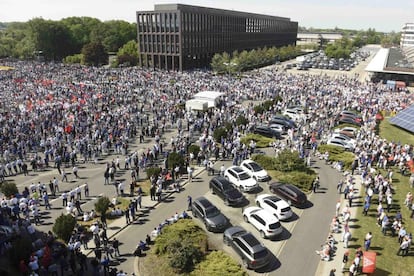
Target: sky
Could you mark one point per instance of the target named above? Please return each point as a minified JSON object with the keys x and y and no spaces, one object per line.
{"x":382,"y":15}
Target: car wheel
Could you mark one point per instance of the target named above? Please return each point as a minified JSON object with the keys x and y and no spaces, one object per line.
{"x":226,"y":202}
{"x":207,"y":227}
{"x":258,"y":204}
{"x":194,"y":213}
{"x":271,"y":190}
{"x":212,"y":190}
{"x":245,"y":263}
{"x":246,"y":219}
{"x":262,"y":234}
{"x":241,"y":189}
{"x":289,"y":202}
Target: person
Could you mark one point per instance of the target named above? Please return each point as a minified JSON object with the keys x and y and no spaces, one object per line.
{"x":352,"y":269}
{"x":64,"y":176}
{"x":115,"y":244}
{"x":222,"y":169}
{"x":128,"y":219}
{"x":189,"y":202}
{"x":75,"y":171}
{"x":332,"y":272}
{"x":64,"y":197}
{"x":86,"y":189}
{"x":139,"y":200}
{"x":345,"y":259}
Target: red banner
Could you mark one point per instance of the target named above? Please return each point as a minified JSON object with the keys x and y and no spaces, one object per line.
{"x":369,"y":262}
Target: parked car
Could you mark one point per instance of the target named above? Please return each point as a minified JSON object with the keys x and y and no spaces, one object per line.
{"x":348,"y":120}
{"x":267,"y":131}
{"x":292,"y":194}
{"x":254,"y":255}
{"x":351,"y":132}
{"x":210,"y":215}
{"x":340,"y":143}
{"x":278,"y":128}
{"x":343,"y":137}
{"x":226,"y":191}
{"x":275,"y":205}
{"x":265,"y":222}
{"x":241,"y":179}
{"x":255,"y":170}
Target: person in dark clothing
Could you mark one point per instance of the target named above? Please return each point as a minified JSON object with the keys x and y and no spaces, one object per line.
{"x":115,"y":244}
{"x":128,"y":219}
{"x":152,"y":192}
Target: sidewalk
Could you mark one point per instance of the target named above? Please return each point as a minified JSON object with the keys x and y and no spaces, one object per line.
{"x":120,"y":224}
{"x":325,"y":267}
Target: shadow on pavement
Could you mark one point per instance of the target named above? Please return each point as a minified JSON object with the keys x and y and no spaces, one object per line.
{"x":307,"y":205}
{"x":292,"y":218}
{"x":283,"y":236}
{"x":273,"y":265}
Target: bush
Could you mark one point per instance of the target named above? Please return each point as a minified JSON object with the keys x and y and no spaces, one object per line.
{"x":63,"y":226}
{"x":261,"y":141}
{"x":102,"y":205}
{"x":268,"y":104}
{"x":241,"y":120}
{"x":288,"y":161}
{"x":181,"y":230}
{"x":219,"y":133}
{"x":303,"y":180}
{"x":153,"y":171}
{"x":184,"y":255}
{"x":218,"y":263}
{"x":337,"y":154}
{"x":175,"y":159}
{"x":266,"y":161}
{"x":9,"y":189}
{"x":259,"y":109}
{"x":194,"y":149}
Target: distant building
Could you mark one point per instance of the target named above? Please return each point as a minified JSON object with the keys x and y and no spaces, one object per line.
{"x":180,"y":37}
{"x":316,"y":38}
{"x":407,"y":35}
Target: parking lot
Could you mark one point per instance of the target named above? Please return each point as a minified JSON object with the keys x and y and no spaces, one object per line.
{"x":275,"y":246}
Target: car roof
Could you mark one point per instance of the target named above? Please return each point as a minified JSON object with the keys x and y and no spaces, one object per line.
{"x":204,"y":202}
{"x":237,"y":169}
{"x":267,"y":216}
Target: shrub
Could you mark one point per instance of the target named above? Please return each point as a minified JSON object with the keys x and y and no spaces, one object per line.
{"x":218,"y":263}
{"x":337,"y":154}
{"x":181,"y":230}
{"x":259,"y":109}
{"x":184,"y":255}
{"x":63,"y":226}
{"x":268,"y":104}
{"x":288,"y":161}
{"x":102,"y":205}
{"x":219,"y":133}
{"x":261,"y":141}
{"x":267,"y":162}
{"x":9,"y":189}
{"x":241,"y":120}
{"x":303,"y":180}
{"x":175,"y":159}
{"x":194,"y":149}
{"x":153,"y":171}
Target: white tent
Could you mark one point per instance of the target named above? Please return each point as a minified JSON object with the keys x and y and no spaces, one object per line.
{"x":211,"y":97}
{"x":196,"y":105}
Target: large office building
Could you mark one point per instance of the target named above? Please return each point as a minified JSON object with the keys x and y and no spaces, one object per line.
{"x":181,"y":37}
{"x":407,"y":35}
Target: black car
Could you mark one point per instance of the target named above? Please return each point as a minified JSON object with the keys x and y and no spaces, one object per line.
{"x":210,"y":215}
{"x":254,"y":255}
{"x":267,"y":131}
{"x":226,"y":191}
{"x":290,"y":193}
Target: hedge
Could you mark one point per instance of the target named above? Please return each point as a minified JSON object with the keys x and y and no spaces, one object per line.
{"x":218,"y":263}
{"x":261,"y":141}
{"x":337,"y":154}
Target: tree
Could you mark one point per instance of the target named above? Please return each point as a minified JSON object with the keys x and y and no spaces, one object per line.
{"x":128,"y":53}
{"x":175,"y":159}
{"x":218,"y":263}
{"x":219,"y":133}
{"x":288,"y":161}
{"x":195,"y":149}
{"x":9,"y":189}
{"x":94,"y":54}
{"x":63,"y":227}
{"x":102,"y":205}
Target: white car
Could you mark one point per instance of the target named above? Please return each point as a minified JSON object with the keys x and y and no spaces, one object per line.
{"x":348,"y":131}
{"x":265,"y":222}
{"x":344,"y":138}
{"x":240,"y":178}
{"x":275,"y":205}
{"x":340,"y":143}
{"x":255,"y":170}
{"x":278,"y":128}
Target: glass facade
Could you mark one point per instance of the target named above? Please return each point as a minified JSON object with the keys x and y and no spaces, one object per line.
{"x":180,"y":37}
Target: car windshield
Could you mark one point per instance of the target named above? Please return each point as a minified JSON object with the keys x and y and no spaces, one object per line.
{"x":212,"y":212}
{"x":244,"y":176}
{"x":274,"y":225}
{"x":260,"y":254}
{"x":255,"y":167}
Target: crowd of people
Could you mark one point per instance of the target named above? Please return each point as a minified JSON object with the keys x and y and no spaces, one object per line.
{"x":58,"y":116}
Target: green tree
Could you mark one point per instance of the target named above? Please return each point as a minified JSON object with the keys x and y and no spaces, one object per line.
{"x":195,"y":149}
{"x":102,"y":205}
{"x":288,"y":161}
{"x":128,"y":53}
{"x":241,"y":120}
{"x":219,"y":133}
{"x":77,"y":58}
{"x":184,"y":255}
{"x":63,"y":227}
{"x":175,"y":159}
{"x":94,"y":54}
{"x":153,"y":171}
{"x":9,"y":189}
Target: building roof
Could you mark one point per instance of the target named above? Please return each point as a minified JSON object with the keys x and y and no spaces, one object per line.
{"x":390,"y":60}
{"x":208,"y":95}
{"x":378,"y":62}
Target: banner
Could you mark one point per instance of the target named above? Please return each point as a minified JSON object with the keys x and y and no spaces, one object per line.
{"x":369,"y":261}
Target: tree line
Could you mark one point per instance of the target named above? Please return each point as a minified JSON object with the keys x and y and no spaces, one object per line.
{"x":69,"y":37}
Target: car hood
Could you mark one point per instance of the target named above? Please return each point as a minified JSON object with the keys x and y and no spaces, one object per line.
{"x":218,"y":220}
{"x":248,"y":182}
{"x":233,"y":194}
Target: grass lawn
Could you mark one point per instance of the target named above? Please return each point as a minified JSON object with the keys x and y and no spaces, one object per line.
{"x":393,"y":133}
{"x":388,"y":263}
